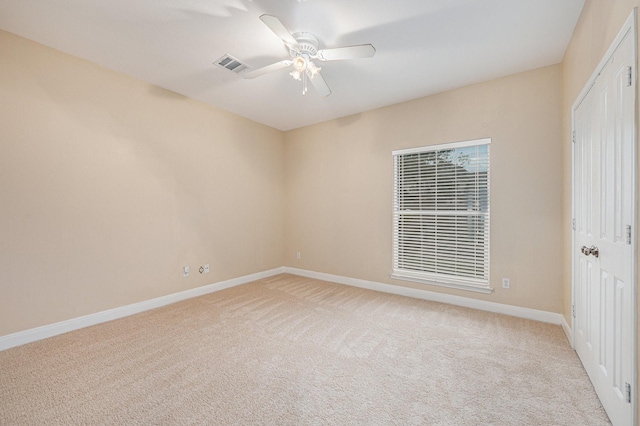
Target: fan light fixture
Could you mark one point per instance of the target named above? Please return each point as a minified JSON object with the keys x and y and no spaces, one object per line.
{"x":300,"y":63}
{"x":299,"y":67}
{"x":303,"y":68}
{"x":313,"y":69}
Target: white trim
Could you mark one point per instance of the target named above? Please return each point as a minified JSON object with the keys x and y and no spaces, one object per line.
{"x":567,"y":331}
{"x":633,"y":22}
{"x":452,"y":145}
{"x":498,"y":308}
{"x":573,"y":219}
{"x":39,"y":333}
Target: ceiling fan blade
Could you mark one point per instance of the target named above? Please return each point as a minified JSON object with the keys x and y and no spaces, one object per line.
{"x":348,"y":52}
{"x":269,"y":68}
{"x":279,"y":29}
{"x":319,"y":84}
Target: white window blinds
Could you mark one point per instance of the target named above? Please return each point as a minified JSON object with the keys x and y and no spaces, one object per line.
{"x":441,"y":215}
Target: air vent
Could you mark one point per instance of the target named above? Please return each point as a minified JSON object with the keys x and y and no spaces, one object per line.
{"x":231,"y":63}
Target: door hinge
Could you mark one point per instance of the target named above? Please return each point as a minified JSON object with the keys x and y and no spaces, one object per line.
{"x":627,"y":392}
{"x":573,"y":311}
{"x":573,"y":136}
{"x":573,"y":224}
{"x":628,"y":234}
{"x":629,"y":77}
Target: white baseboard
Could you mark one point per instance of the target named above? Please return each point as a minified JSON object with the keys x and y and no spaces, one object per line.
{"x":567,"y":331}
{"x":499,"y":308}
{"x":39,"y":333}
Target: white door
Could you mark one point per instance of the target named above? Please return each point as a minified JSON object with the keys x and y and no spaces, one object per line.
{"x":603,"y":266}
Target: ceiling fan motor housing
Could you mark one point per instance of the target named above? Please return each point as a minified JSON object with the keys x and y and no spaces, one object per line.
{"x":307,"y":44}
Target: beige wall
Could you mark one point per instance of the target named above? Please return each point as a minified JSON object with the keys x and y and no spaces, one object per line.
{"x":108,"y":186}
{"x":597,"y":28}
{"x":339,"y":184}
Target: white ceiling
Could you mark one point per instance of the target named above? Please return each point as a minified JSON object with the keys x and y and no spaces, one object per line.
{"x":422,"y":46}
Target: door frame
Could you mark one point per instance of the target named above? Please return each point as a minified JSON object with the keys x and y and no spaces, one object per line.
{"x":630,"y":27}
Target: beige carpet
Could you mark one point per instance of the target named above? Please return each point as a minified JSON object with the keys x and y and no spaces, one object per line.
{"x":290,"y":350}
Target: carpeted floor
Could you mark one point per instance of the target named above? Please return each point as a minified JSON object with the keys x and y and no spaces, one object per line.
{"x":289,"y":350}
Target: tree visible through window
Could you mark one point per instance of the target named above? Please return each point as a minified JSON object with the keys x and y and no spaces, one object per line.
{"x":441,"y":215}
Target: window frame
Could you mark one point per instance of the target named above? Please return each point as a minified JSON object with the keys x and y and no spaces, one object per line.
{"x":482,"y":285}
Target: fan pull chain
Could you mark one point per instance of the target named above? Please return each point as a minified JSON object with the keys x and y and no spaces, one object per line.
{"x":304,"y":83}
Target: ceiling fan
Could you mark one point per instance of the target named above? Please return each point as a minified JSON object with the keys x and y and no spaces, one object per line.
{"x":303,"y":47}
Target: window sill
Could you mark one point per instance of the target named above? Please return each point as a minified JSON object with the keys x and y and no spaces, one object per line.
{"x":457,"y":286}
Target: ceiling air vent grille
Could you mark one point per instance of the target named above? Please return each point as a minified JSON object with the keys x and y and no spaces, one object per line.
{"x":231,"y":63}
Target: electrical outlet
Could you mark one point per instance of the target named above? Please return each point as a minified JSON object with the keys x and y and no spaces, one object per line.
{"x":298,"y":255}
{"x":506,"y":283}
{"x":206,"y":268}
{"x":185,"y":271}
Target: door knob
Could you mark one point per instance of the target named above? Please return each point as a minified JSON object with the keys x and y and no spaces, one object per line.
{"x":590,"y":250}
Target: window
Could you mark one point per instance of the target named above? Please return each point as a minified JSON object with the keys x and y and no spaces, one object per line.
{"x":441,"y":215}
